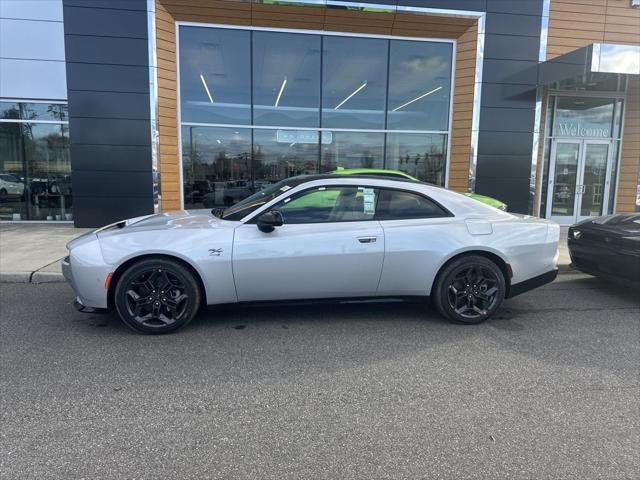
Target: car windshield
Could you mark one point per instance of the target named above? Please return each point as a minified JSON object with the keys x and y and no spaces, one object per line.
{"x":246,"y":206}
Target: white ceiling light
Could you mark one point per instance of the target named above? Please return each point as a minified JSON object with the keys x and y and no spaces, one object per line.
{"x":354,"y":92}
{"x":206,"y":88}
{"x":284,"y":84}
{"x":416,"y":99}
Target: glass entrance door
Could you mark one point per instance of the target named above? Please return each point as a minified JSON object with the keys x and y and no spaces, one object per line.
{"x":593,"y":185}
{"x":578,"y":186}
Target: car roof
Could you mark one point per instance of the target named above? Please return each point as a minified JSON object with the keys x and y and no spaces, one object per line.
{"x":332,"y":176}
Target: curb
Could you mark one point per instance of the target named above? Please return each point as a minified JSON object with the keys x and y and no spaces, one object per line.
{"x":31,"y":277}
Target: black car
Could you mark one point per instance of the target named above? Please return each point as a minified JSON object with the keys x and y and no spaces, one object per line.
{"x":607,"y":247}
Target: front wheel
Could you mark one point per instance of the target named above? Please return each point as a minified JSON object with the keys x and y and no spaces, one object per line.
{"x":469,"y":290}
{"x":157,"y":296}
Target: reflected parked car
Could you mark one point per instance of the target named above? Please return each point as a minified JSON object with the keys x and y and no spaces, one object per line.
{"x":227,"y":193}
{"x":10,"y":185}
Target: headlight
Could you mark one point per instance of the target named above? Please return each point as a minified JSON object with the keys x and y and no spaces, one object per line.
{"x":576,"y":234}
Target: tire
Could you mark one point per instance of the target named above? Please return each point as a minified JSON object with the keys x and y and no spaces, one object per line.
{"x":469,"y":290}
{"x":157,"y":296}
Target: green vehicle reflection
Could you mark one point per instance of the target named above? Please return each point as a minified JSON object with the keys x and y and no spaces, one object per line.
{"x":380,"y":172}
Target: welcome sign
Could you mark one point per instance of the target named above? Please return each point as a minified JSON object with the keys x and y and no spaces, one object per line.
{"x":567,"y":129}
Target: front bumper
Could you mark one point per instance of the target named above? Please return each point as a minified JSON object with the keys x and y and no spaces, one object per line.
{"x":77,"y":303}
{"x":85,"y":271}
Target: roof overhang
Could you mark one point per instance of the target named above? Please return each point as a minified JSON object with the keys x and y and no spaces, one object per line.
{"x":595,"y":58}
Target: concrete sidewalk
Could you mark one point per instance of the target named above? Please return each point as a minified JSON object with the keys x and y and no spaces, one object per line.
{"x":31,"y":253}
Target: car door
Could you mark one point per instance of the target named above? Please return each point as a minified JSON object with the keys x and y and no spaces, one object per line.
{"x":329,"y":246}
{"x":419,"y":233}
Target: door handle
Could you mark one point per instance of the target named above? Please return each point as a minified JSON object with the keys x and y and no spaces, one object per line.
{"x":367,"y":239}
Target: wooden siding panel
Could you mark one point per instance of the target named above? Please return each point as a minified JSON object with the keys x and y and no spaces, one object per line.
{"x":630,"y":155}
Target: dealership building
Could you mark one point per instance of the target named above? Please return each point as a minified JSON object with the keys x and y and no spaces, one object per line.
{"x":117,"y":108}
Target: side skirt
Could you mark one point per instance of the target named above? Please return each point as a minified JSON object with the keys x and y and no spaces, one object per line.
{"x":535,"y":282}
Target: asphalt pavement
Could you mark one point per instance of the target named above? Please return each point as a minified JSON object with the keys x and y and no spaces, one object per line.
{"x":548,"y":389}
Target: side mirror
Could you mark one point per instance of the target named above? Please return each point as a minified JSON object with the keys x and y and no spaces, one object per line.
{"x":267,"y":222}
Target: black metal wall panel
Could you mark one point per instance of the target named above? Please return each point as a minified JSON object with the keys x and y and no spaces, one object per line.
{"x":109,"y":109}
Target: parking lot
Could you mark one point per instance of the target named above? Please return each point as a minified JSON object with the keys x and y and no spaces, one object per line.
{"x":549,"y":388}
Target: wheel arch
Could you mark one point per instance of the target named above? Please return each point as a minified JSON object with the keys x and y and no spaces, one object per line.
{"x":162,"y":256}
{"x":494,"y":257}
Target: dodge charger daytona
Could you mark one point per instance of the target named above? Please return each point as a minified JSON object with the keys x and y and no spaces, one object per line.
{"x":309,"y":238}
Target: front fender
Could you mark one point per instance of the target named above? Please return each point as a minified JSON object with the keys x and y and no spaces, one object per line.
{"x":208,"y":251}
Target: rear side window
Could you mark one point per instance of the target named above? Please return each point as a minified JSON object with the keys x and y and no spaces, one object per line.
{"x":401,"y":205}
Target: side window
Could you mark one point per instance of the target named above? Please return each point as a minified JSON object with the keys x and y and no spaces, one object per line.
{"x":398,"y":205}
{"x":330,"y":204}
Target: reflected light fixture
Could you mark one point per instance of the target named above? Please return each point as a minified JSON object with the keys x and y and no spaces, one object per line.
{"x":352,"y":94}
{"x":416,"y":99}
{"x":206,"y":88}
{"x":284,"y":84}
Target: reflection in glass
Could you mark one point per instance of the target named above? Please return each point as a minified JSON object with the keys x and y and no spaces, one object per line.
{"x":35,"y":172}
{"x":33,"y":111}
{"x":593,"y":82}
{"x":595,"y":174}
{"x":421,"y":155}
{"x":351,"y":150}
{"x":304,"y":87}
{"x":584,"y":117}
{"x":286,"y":79}
{"x":216,"y":166}
{"x":564,"y":185}
{"x":280,"y":154}
{"x":12,"y":175}
{"x":419,"y":85}
{"x":215,"y":75}
{"x":354,"y":82}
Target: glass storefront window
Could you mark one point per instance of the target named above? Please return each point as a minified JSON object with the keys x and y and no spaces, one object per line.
{"x":584,"y":117}
{"x":354,"y":82}
{"x":260,"y":106}
{"x":423,"y":156}
{"x":215,"y":75}
{"x":286,"y":79}
{"x":216,"y":164}
{"x":35,"y":170}
{"x":419,"y":85}
{"x":593,"y":82}
{"x":351,"y":150}
{"x":280,"y":154}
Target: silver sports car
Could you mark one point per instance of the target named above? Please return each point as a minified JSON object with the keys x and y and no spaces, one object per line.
{"x":314,"y":237}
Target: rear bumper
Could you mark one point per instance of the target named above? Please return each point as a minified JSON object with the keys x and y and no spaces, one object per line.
{"x":532,"y":283}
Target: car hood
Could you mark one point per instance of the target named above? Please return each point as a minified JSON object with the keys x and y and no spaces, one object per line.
{"x":624,"y":224}
{"x":163,"y":221}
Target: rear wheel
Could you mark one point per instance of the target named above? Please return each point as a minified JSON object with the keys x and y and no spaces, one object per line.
{"x":469,"y":290}
{"x":157,"y":296}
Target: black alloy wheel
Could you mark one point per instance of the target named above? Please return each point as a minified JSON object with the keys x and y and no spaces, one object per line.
{"x":469,"y":290}
{"x":157,"y":296}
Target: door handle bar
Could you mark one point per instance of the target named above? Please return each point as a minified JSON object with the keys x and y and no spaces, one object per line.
{"x":367,"y":239}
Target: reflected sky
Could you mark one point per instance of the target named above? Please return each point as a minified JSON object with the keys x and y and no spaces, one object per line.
{"x":362,"y":83}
